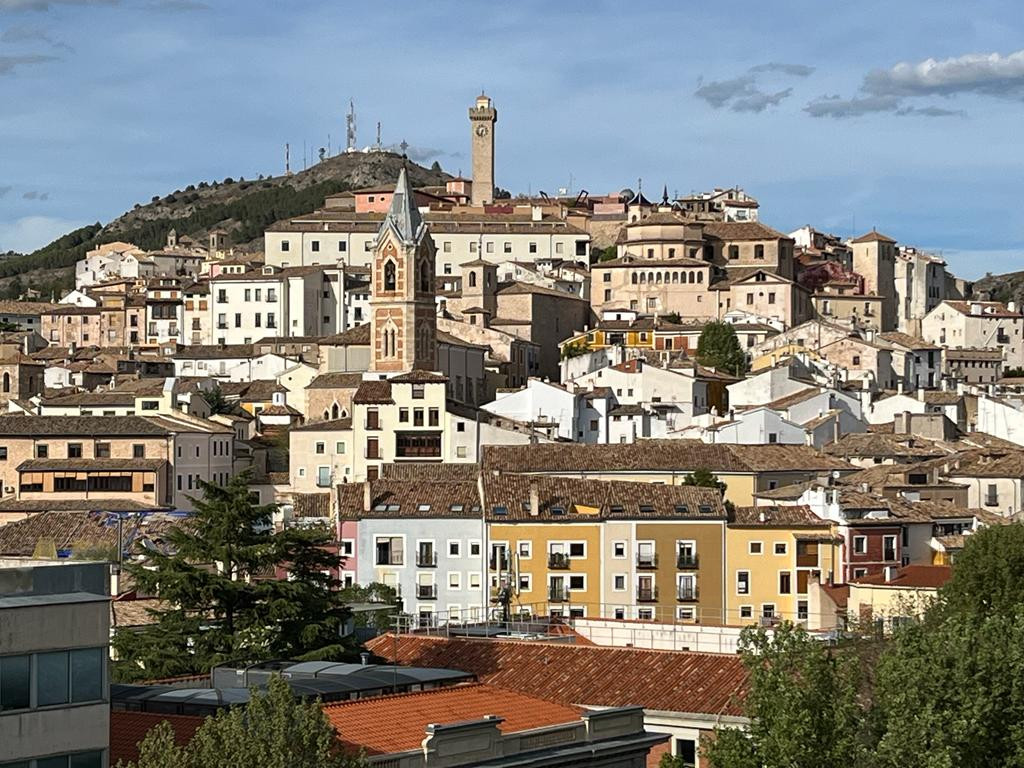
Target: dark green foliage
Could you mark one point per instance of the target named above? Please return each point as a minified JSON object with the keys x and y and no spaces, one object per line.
{"x":274,"y":730}
{"x":704,"y":478}
{"x":214,"y":398}
{"x":719,"y":348}
{"x":804,"y":703}
{"x":237,"y":609}
{"x":988,"y":577}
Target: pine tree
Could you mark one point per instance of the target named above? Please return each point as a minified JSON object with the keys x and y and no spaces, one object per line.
{"x":718,"y":347}
{"x":219,"y":606}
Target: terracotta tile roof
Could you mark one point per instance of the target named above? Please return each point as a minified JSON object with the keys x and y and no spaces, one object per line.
{"x":873,"y":236}
{"x":409,"y":499}
{"x":357,"y":337}
{"x":988,"y":308}
{"x":332,"y":425}
{"x":864,"y":444}
{"x":336,"y":381}
{"x":796,"y":398}
{"x":657,"y":455}
{"x":134,"y":612}
{"x":516,"y":288}
{"x":16,"y":425}
{"x":312,"y":504}
{"x":280,"y":410}
{"x":127,"y":729}
{"x":373,"y":392}
{"x":387,"y":724}
{"x":973,"y":353}
{"x":419,"y":377}
{"x":424,"y":471}
{"x":911,"y":576}
{"x":908,"y":341}
{"x":81,"y":530}
{"x":573,"y":675}
{"x":1010,"y":465}
{"x":260,"y":391}
{"x":786,"y":516}
{"x":214,"y":352}
{"x":11,"y":504}
{"x":95,"y":465}
{"x":630,"y":260}
{"x":743,"y":230}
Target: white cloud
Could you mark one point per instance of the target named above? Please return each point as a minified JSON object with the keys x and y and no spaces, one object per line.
{"x":9,"y":64}
{"x":991,"y":74}
{"x":26,"y":234}
{"x":45,"y":5}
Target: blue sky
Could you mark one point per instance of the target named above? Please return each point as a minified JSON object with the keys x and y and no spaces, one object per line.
{"x":904,"y":116}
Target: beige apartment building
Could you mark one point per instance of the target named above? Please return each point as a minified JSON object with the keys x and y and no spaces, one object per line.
{"x":840,"y":303}
{"x":117,"y":321}
{"x":982,"y":325}
{"x":152,"y":460}
{"x":660,"y":285}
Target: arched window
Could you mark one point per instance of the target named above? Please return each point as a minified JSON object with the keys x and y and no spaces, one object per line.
{"x":327,"y":415}
{"x":675,"y":277}
{"x":692,"y":277}
{"x":425,"y":277}
{"x":472,"y":279}
{"x":700,"y":277}
{"x":650,"y":277}
{"x":7,"y":382}
{"x":634,"y":280}
{"x":334,"y":411}
{"x":390,"y":279}
{"x":658,"y":277}
{"x":643,"y":277}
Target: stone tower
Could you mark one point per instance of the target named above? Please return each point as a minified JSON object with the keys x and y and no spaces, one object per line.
{"x":482,"y":117}
{"x":403,"y":319}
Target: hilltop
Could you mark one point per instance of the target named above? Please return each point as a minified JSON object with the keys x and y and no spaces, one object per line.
{"x":1005,"y":287}
{"x":243,"y":208}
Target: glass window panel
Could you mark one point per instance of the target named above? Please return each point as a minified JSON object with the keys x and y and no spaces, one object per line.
{"x":52,"y":762}
{"x":51,"y":678}
{"x":14,"y":682}
{"x":87,"y":760}
{"x":87,"y":674}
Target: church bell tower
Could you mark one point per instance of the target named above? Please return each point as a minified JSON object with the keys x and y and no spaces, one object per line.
{"x":403,"y":319}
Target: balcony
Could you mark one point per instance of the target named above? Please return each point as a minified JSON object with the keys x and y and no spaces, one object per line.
{"x":426,"y":559}
{"x":426,"y":592}
{"x":687,"y":594}
{"x":647,"y":595}
{"x":646,"y":562}
{"x":558,"y":561}
{"x":686,"y":561}
{"x":558,"y":595}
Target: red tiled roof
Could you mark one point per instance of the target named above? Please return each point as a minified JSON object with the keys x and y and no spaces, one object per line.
{"x":388,"y":724}
{"x":127,"y":729}
{"x":912,"y":576}
{"x":585,"y":675}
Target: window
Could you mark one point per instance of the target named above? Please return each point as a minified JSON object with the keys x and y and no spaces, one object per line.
{"x":52,"y":679}
{"x":759,"y":252}
{"x":686,"y":753}
{"x":389,"y":550}
{"x":454,"y":549}
{"x":139,"y":451}
{"x":785,"y":583}
{"x":746,"y":611}
{"x":755,"y":547}
{"x":3,"y":453}
{"x":474,"y":549}
{"x":286,"y":245}
{"x":320,"y":448}
{"x":87,"y":674}
{"x":888,"y":547}
{"x":742,"y":582}
{"x":577,"y":582}
{"x":74,"y":450}
{"x":856,"y":359}
{"x":780,"y":547}
{"x":15,"y":682}
{"x":734,"y":252}
{"x":525,"y":582}
{"x":577,"y":549}
{"x":619,"y":582}
{"x":390,"y":280}
{"x":418,"y":391}
{"x":323,"y":477}
{"x":315,"y":246}
{"x":403,"y":415}
{"x":619,"y":549}
{"x":42,"y":451}
{"x":860,"y":545}
{"x":525,"y":550}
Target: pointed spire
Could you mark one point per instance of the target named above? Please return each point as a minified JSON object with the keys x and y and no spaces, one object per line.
{"x":403,"y":215}
{"x":664,"y":195}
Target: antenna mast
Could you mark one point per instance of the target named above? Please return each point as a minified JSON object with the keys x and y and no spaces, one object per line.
{"x":350,"y":127}
{"x":287,"y":160}
{"x":378,"y":135}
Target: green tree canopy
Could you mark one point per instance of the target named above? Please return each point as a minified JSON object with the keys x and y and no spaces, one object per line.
{"x":988,"y":575}
{"x":274,"y":730}
{"x":222,"y":598}
{"x":718,"y":347}
{"x":214,"y":397}
{"x":803,"y":703}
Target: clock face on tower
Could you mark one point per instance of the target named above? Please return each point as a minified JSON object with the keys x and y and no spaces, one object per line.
{"x":481,"y":130}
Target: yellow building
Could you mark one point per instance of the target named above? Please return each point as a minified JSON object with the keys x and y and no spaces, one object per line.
{"x":619,"y":550}
{"x":771,"y":554}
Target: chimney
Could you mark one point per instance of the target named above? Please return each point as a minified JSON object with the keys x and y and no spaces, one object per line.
{"x":364,"y":659}
{"x":762,"y":517}
{"x":864,"y":488}
{"x":367,"y":497}
{"x":534,"y":498}
{"x":24,"y":345}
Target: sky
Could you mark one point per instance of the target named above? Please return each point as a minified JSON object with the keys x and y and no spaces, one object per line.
{"x":901,"y":116}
